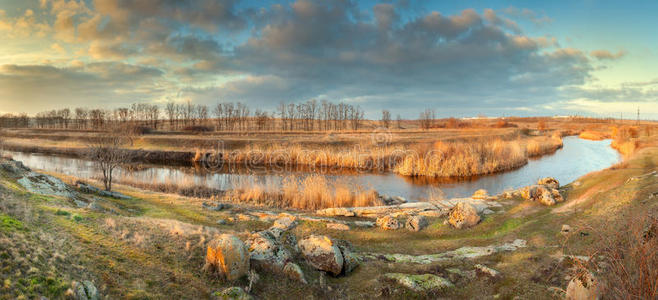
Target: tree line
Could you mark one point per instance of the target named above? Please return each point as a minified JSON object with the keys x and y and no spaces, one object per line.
{"x":311,"y":115}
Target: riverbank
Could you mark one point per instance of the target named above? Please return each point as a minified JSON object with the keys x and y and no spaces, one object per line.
{"x":56,"y":241}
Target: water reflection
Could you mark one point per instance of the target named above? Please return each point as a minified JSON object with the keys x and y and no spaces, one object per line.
{"x":578,"y":157}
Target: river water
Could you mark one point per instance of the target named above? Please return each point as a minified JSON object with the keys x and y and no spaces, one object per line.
{"x":577,"y":158}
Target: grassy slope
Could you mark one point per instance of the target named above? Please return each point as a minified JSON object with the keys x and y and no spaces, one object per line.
{"x":153,"y":246}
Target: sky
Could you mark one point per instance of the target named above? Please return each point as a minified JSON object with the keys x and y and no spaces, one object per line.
{"x":460,"y":58}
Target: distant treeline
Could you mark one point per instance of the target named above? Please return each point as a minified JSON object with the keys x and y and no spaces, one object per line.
{"x":311,"y":115}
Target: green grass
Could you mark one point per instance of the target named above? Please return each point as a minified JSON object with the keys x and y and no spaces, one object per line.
{"x":8,"y":223}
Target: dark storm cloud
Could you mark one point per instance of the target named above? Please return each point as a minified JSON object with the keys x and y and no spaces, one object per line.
{"x":329,"y":49}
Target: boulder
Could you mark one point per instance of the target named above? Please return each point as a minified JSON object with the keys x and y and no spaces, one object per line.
{"x":463,"y":215}
{"x":480,"y":194}
{"x":388,"y":223}
{"x":565,"y":229}
{"x":419,"y":283}
{"x":228,"y":256}
{"x":294,"y":272}
{"x":549,"y":182}
{"x":85,"y":290}
{"x":322,"y":253}
{"x":584,"y":286}
{"x":482,"y":270}
{"x":416,"y":223}
{"x":266,"y":253}
{"x":350,"y":260}
{"x":232,"y":293}
{"x":284,"y":223}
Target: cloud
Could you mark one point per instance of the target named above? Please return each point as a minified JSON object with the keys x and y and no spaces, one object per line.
{"x":607,"y":55}
{"x":527,"y":14}
{"x":95,"y":85}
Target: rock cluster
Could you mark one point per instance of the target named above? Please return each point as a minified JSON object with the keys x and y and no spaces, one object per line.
{"x":545,"y":192}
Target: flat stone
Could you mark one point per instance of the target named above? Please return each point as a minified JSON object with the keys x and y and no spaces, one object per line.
{"x":419,"y":283}
{"x":338,"y":226}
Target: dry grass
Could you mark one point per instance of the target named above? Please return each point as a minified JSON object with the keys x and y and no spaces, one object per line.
{"x":311,"y":193}
{"x":631,"y":259}
{"x":593,"y":135}
{"x":543,"y":145}
{"x":464,"y":159}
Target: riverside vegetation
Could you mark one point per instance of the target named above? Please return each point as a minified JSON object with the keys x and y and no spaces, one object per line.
{"x":59,"y":240}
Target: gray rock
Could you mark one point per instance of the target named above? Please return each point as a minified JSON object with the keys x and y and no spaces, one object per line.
{"x":419,"y":283}
{"x":284,"y":223}
{"x":216,"y":207}
{"x":417,"y":223}
{"x":85,"y":290}
{"x":483,"y":270}
{"x":322,"y":253}
{"x":463,"y":215}
{"x":266,"y":253}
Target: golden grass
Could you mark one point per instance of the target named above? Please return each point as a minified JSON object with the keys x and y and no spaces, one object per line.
{"x":311,"y":193}
{"x":464,"y":159}
{"x":543,"y":145}
{"x":593,"y":135}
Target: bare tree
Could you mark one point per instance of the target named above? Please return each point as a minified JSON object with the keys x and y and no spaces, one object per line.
{"x":386,"y":118}
{"x":107,"y":152}
{"x":427,"y":119}
{"x":399,"y":121}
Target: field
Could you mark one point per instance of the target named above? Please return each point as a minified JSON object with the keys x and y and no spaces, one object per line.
{"x":55,"y":242}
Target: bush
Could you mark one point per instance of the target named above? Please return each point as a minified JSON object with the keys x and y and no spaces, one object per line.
{"x":198,"y":129}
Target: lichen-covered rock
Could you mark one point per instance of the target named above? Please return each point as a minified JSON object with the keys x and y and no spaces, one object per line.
{"x":485,"y":271}
{"x":583,"y":286}
{"x":266,"y":252}
{"x":542,"y":194}
{"x":549,"y":182}
{"x":322,"y":253}
{"x":419,"y":283}
{"x":388,"y":223}
{"x":350,"y":260}
{"x":228,"y":256}
{"x":232,"y":293}
{"x":284,"y":223}
{"x":463,"y":215}
{"x":338,"y":226}
{"x":85,"y":290}
{"x":417,"y":223}
{"x":294,"y":272}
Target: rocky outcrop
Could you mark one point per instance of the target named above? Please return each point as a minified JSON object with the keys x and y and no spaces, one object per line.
{"x":322,"y":253}
{"x":549,"y":182}
{"x":461,"y":253}
{"x":463,"y":215}
{"x":583,"y":286}
{"x":89,"y":189}
{"x":542,"y":194}
{"x":416,"y":223}
{"x":388,"y":223}
{"x":419,"y":283}
{"x":227,"y":256}
{"x":480,"y":194}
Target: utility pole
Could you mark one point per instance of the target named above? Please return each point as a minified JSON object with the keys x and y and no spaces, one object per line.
{"x":638,"y":115}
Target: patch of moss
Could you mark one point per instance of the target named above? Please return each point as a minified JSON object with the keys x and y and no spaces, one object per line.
{"x":8,"y":223}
